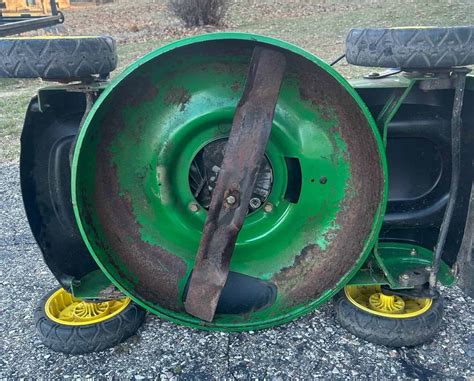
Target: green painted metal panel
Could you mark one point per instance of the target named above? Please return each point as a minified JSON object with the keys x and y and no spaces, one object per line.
{"x":392,"y":259}
{"x":164,"y":109}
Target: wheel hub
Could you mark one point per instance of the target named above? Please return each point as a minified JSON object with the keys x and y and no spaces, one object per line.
{"x":63,"y":308}
{"x":372,"y":300}
{"x":387,"y":303}
{"x":85,"y":311}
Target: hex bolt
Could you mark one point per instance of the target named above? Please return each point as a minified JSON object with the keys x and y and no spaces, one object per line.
{"x":193,"y":207}
{"x":230,"y":200}
{"x":413,"y":252}
{"x":255,"y":203}
{"x":268,"y":207}
{"x":428,"y":268}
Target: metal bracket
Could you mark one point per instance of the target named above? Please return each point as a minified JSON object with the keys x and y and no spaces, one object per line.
{"x":384,"y":74}
{"x":400,"y":266}
{"x":95,"y":286}
{"x":416,"y":292}
{"x":416,"y":276}
{"x":391,"y":107}
{"x":47,"y":93}
{"x":459,"y":75}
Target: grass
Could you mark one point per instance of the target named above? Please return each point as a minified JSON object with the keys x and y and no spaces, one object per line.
{"x":320,"y":30}
{"x":15,"y":95}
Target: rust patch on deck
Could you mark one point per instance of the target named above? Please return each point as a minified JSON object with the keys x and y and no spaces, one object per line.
{"x":154,"y":271}
{"x":315,"y":270}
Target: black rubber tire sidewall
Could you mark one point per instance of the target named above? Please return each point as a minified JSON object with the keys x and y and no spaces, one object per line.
{"x":411,"y":48}
{"x":64,"y":59}
{"x":89,"y":338}
{"x":390,"y":332}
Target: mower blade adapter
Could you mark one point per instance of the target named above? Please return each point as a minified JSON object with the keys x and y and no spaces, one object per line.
{"x":244,"y":152}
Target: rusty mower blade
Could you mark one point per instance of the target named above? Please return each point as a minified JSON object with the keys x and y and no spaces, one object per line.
{"x":237,"y":177}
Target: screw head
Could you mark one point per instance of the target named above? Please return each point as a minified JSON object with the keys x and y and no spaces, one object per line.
{"x":428,"y":268}
{"x":230,"y":200}
{"x":413,"y":252}
{"x":255,"y":202}
{"x":404,"y":276}
{"x":268,"y":207}
{"x":193,"y":207}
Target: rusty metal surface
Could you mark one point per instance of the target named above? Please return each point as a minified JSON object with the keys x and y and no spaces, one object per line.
{"x":308,"y":277}
{"x":157,"y":273}
{"x":124,"y":247}
{"x":229,"y":205}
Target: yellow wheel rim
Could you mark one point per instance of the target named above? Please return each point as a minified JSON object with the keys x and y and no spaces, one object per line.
{"x":63,"y":308}
{"x":372,"y":300}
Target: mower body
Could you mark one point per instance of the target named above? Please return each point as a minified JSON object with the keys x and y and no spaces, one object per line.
{"x":418,"y":153}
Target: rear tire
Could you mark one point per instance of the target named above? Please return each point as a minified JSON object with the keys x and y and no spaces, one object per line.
{"x":64,"y":59}
{"x":411,"y":48}
{"x":391,"y":332}
{"x":86,"y":338}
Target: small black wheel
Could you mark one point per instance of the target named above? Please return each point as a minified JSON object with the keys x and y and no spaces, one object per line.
{"x":69,"y":325}
{"x":391,"y":320}
{"x":59,"y":58}
{"x":411,"y":47}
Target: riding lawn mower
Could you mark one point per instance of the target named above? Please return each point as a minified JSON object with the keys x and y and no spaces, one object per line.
{"x":235,"y":182}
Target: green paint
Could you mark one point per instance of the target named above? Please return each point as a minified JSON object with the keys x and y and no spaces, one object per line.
{"x":191,"y":103}
{"x":393,"y":81}
{"x":90,"y":285}
{"x":391,"y":107}
{"x":397,"y":258}
{"x":391,"y":259}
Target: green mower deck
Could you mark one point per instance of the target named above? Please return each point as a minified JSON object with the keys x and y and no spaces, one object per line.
{"x":149,"y":151}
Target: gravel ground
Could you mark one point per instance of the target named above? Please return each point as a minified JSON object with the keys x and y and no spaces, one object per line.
{"x":312,"y":346}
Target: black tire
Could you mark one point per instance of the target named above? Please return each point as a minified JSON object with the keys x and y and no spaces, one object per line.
{"x":59,"y":58}
{"x":88,"y":338}
{"x":411,"y":48}
{"x":390,"y":332}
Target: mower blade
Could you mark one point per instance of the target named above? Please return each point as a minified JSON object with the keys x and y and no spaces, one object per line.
{"x":244,"y":152}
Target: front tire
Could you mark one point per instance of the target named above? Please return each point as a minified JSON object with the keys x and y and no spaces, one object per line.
{"x":69,"y":325}
{"x":390,"y":324}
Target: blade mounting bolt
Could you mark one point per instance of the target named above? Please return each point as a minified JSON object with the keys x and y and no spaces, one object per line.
{"x":193,"y":207}
{"x":255,"y":202}
{"x":268,"y":207}
{"x":230,"y":200}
